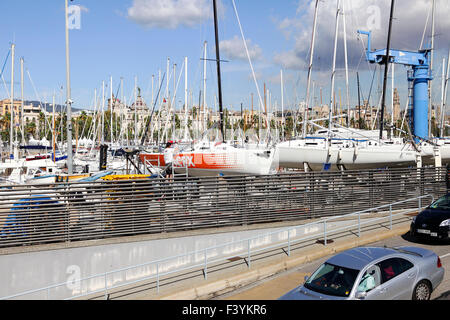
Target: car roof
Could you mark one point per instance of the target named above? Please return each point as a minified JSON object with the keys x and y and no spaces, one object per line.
{"x":358,"y":258}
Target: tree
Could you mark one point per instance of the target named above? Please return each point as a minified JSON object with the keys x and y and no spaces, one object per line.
{"x":5,"y":122}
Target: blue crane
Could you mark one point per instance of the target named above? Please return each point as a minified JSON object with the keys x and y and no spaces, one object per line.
{"x":418,"y":78}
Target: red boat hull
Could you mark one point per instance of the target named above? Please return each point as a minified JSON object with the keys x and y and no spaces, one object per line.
{"x":155,"y":159}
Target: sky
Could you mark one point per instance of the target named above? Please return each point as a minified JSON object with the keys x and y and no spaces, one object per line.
{"x":132,"y":39}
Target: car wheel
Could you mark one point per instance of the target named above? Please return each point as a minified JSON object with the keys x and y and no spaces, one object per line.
{"x":422,"y":291}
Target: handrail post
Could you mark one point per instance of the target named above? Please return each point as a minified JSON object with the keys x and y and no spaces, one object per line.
{"x":206,"y":264}
{"x":106,"y":288}
{"x":249,"y":261}
{"x":289,"y":242}
{"x":157,"y":274}
{"x":325,"y":232}
{"x":390,"y":217}
{"x":359,"y":224}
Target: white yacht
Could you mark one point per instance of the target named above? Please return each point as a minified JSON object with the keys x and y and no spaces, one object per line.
{"x":348,"y":149}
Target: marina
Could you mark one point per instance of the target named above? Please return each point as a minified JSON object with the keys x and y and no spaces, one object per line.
{"x":220,"y":143}
{"x":135,"y":136}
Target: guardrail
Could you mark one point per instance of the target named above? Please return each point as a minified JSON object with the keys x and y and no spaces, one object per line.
{"x":204,"y":258}
{"x":70,"y":212}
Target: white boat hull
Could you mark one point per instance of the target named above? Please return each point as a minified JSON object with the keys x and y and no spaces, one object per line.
{"x":229,"y":161}
{"x":297,"y":155}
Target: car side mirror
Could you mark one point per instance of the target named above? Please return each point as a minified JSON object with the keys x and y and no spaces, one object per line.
{"x":306,"y":278}
{"x":360,"y":295}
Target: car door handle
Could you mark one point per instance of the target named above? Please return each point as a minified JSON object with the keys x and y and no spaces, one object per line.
{"x":383,"y":290}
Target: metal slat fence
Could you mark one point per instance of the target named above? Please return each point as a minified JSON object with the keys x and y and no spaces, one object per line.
{"x":67,"y":212}
{"x":202,"y":259}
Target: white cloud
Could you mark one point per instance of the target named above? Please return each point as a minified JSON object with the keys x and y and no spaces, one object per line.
{"x":408,"y":27}
{"x":289,"y":60}
{"x":170,"y":14}
{"x":84,"y":9}
{"x":287,"y":26}
{"x":234,"y":49}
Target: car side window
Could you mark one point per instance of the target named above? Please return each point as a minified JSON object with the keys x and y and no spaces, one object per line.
{"x":370,"y":280}
{"x":404,"y":264}
{"x":390,"y":268}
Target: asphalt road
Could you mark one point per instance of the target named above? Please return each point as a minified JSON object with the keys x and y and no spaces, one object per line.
{"x":273,"y":288}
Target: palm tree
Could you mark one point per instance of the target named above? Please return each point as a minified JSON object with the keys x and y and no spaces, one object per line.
{"x":30,"y":129}
{"x":5,"y":123}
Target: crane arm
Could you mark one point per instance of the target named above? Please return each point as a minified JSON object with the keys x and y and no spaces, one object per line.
{"x":404,"y":57}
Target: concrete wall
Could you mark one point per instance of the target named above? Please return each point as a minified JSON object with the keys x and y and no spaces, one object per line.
{"x":33,"y":270}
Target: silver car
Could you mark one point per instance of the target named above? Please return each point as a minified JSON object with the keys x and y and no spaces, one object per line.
{"x":373,"y":273}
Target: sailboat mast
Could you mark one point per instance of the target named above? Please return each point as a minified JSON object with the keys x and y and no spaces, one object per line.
{"x":11,"y":133}
{"x":111,"y":109}
{"x":168,"y":77}
{"x":430,"y":100}
{"x":442,"y":87}
{"x":346,"y":64}
{"x":121,"y":112}
{"x":388,"y":47}
{"x":392,"y":96}
{"x":219,"y":80}
{"x":167,"y":98}
{"x":333,"y":73}
{"x":282,"y":105}
{"x":22,"y":103}
{"x":103,"y":113}
{"x":53,"y":130}
{"x":95,"y":118}
{"x":444,"y":101}
{"x":359,"y":101}
{"x":205,"y":123}
{"x":308,"y":86}
{"x":135,"y":111}
{"x":153,"y":83}
{"x":185,"y":98}
{"x":265,"y":102}
{"x":68,"y":102}
{"x":174,"y":99}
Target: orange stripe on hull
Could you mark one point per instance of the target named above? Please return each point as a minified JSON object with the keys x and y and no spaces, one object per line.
{"x":211,"y":161}
{"x":156,"y":159}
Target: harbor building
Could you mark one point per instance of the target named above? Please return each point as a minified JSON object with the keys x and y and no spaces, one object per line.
{"x":30,"y":112}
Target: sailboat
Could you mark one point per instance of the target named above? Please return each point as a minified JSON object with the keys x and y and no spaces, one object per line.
{"x":206,"y":158}
{"x":346,"y":148}
{"x":318,"y":153}
{"x":16,"y":169}
{"x":219,"y":157}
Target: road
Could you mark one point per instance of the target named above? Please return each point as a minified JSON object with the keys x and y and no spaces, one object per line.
{"x":273,"y":288}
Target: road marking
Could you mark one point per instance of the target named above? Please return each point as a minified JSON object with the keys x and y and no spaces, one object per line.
{"x":445,"y":255}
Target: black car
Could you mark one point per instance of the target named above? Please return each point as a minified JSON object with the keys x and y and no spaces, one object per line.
{"x":434,"y":221}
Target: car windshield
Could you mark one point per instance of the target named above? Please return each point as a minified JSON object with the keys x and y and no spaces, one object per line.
{"x":332,"y":280}
{"x":441,"y":203}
